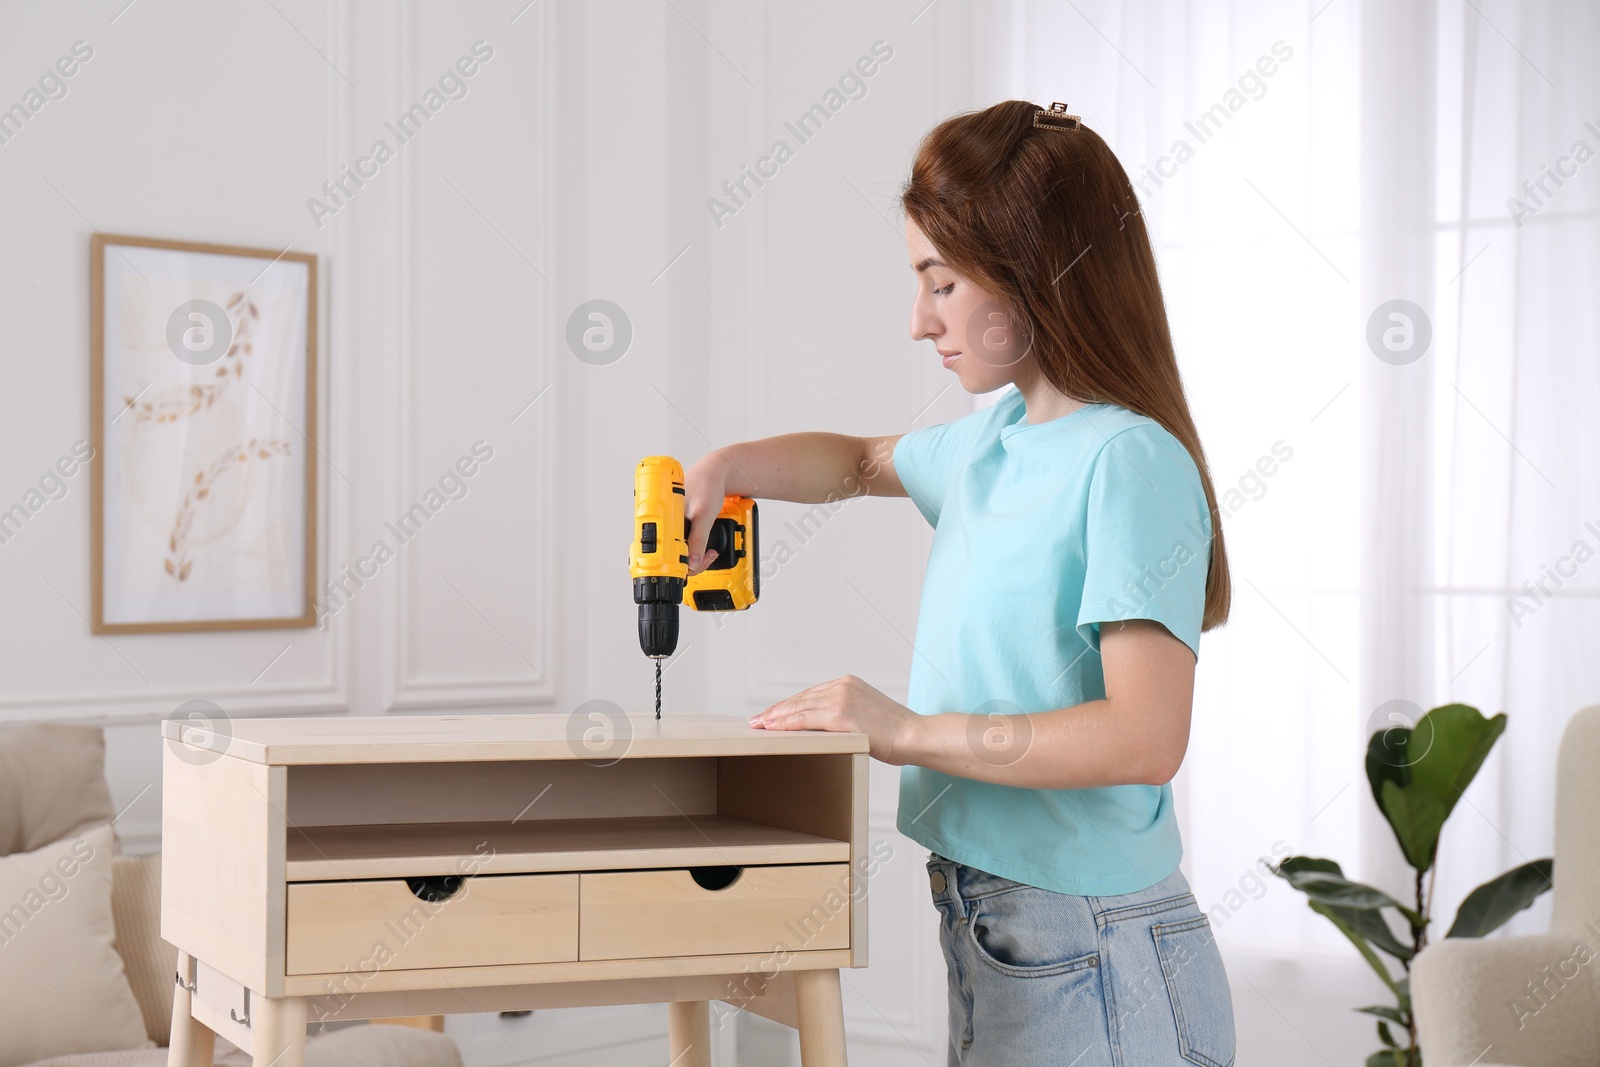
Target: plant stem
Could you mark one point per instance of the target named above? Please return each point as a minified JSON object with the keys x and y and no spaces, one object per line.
{"x":1419,"y":938}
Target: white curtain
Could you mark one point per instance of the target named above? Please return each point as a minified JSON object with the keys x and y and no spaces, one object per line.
{"x":1300,"y":169}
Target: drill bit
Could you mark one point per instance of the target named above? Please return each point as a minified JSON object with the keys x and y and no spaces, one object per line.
{"x":658,"y":690}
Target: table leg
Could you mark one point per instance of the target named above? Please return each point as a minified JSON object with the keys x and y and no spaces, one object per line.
{"x":193,"y":1044}
{"x":689,"y":1030}
{"x":820,"y":1011}
{"x":278,"y":1027}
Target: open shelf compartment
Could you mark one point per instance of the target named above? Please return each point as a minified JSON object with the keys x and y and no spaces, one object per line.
{"x":417,"y":820}
{"x":419,"y":850}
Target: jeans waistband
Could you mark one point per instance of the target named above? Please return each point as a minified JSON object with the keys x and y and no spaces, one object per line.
{"x":958,"y":883}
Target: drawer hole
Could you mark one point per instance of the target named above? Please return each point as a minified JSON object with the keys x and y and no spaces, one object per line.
{"x":715,"y":877}
{"x":435,"y":889}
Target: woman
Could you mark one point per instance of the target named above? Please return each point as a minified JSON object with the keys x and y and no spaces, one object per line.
{"x":1073,"y":569}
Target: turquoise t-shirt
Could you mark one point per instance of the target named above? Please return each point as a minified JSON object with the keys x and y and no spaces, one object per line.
{"x":1042,"y":532}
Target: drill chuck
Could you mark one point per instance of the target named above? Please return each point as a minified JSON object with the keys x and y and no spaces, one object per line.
{"x":658,"y":599}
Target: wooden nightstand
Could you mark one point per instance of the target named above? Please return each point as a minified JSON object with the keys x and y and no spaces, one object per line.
{"x":356,"y":868}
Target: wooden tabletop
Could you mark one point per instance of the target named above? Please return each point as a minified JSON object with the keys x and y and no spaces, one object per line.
{"x":457,"y":738}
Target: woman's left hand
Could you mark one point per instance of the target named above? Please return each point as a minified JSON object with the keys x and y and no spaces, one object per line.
{"x":846,"y":705}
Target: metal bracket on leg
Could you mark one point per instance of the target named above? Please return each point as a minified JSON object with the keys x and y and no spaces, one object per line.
{"x":233,"y":1012}
{"x":191,"y":983}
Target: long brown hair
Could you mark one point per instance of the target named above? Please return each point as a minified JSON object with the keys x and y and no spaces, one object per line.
{"x":1046,"y":221}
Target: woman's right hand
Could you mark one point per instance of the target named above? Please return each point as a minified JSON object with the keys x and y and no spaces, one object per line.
{"x":704,"y":486}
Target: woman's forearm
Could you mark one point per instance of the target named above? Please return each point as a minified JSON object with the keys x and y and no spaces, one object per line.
{"x":1081,"y":747}
{"x":810,"y":468}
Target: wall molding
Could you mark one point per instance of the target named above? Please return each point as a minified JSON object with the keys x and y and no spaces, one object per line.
{"x":403,"y":688}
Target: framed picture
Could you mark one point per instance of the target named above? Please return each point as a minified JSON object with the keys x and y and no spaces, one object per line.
{"x":203,"y":411}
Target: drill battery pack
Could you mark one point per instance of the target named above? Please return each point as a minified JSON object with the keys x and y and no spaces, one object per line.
{"x":733,"y":581}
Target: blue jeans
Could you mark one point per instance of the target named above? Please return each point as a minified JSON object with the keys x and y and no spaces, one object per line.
{"x":1038,"y":977}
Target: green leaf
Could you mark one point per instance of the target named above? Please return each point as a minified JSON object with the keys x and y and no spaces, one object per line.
{"x":1418,"y":773}
{"x":1323,"y":881}
{"x":1372,"y":926}
{"x":1463,"y":740}
{"x":1361,"y":945}
{"x":1296,"y":864}
{"x":1389,"y":1057}
{"x":1383,"y":1011}
{"x":1489,"y":906}
{"x":1416,"y":819}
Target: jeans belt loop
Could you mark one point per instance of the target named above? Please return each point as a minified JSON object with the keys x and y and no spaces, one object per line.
{"x":945,"y":869}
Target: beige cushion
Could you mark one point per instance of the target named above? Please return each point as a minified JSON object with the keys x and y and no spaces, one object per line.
{"x":1576,"y":900}
{"x":62,"y":986}
{"x":1474,"y":1002}
{"x":151,"y":963}
{"x":52,"y":784}
{"x":358,"y":1046}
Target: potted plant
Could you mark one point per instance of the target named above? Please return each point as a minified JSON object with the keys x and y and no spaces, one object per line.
{"x":1417,"y":774}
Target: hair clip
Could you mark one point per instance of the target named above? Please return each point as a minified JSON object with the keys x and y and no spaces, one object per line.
{"x":1056,"y":118}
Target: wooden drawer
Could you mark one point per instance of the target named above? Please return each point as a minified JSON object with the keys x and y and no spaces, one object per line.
{"x":633,"y":914}
{"x":361,"y":927}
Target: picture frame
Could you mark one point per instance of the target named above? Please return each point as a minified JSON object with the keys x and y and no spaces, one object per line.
{"x":203,"y":417}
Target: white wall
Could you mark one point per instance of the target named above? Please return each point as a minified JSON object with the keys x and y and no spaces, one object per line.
{"x":219,"y":123}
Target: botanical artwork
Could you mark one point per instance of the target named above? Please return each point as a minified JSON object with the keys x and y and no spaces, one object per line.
{"x":206,"y":414}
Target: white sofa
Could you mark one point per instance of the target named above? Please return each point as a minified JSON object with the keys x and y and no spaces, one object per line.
{"x":1529,"y":1001}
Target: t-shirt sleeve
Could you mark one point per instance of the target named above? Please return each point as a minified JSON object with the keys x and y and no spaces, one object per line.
{"x":927,"y":460}
{"x":1147,"y":540}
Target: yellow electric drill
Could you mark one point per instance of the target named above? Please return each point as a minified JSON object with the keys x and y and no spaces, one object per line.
{"x":659,"y":560}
